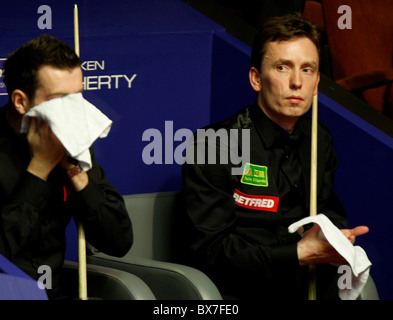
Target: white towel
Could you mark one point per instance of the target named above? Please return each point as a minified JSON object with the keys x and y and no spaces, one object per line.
{"x":75,"y":122}
{"x":356,"y":257}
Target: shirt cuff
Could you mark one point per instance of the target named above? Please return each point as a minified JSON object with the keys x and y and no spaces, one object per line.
{"x":90,"y":196}
{"x":285,"y":253}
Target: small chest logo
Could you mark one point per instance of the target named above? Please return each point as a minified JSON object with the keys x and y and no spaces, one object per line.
{"x":255,"y":175}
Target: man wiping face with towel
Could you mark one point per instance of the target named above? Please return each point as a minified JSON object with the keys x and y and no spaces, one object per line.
{"x":41,"y":186}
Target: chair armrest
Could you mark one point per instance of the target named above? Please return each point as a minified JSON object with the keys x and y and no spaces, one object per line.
{"x":105,"y":283}
{"x":367,"y":80}
{"x":168,"y":281}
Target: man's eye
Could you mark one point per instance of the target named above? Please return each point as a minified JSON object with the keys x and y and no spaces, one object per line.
{"x":281,"y":68}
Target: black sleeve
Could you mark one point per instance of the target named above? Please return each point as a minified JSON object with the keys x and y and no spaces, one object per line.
{"x":101,"y":210}
{"x":21,"y":215}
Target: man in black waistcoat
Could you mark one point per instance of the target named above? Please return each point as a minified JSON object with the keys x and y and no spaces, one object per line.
{"x":239,"y":222}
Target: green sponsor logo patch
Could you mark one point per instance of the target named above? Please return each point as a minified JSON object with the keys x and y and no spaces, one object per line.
{"x":254,"y":175}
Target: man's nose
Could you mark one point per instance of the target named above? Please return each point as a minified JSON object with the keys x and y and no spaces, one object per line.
{"x":295,"y":80}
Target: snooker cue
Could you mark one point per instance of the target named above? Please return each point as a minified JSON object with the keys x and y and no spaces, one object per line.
{"x":313,"y":186}
{"x":81,"y":231}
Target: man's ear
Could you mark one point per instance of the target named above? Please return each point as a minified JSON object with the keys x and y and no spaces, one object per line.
{"x":20,"y":101}
{"x":255,"y":79}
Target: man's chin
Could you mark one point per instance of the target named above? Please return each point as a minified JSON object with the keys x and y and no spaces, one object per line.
{"x":296,"y":110}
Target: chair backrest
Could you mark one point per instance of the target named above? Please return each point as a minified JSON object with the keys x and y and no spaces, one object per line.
{"x":366,"y":47}
{"x":155,"y":220}
{"x":152,"y":216}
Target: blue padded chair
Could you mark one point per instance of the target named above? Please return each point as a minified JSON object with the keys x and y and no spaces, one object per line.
{"x":152,"y":216}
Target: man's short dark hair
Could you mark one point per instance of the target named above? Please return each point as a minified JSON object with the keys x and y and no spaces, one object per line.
{"x":22,"y":66}
{"x":282,"y":28}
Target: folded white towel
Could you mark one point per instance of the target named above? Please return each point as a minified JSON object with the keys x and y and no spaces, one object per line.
{"x":75,"y":122}
{"x":355,"y":255}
